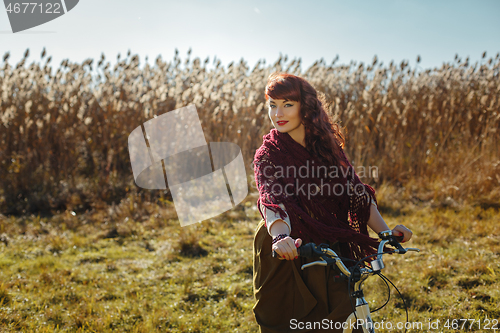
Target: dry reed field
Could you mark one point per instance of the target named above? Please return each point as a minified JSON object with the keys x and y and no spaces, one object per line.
{"x":64,"y":136}
{"x":83,"y":249}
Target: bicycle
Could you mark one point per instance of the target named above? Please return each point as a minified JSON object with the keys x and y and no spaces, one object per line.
{"x":360,"y":317}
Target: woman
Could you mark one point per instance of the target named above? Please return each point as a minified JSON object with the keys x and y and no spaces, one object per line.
{"x":308,"y":192}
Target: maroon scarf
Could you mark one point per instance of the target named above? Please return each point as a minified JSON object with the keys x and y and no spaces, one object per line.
{"x":285,"y":172}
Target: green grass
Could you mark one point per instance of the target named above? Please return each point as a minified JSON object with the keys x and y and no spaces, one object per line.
{"x":137,"y":270}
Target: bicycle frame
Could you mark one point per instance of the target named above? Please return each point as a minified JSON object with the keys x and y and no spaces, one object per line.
{"x":361,"y":316}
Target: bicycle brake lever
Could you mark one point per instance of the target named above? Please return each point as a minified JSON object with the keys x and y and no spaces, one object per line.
{"x":320,"y":263}
{"x":412,"y":249}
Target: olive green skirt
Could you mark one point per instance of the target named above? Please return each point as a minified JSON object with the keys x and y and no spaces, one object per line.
{"x":288,"y":298}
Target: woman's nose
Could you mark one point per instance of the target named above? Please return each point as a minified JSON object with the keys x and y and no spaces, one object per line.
{"x":279,"y":112}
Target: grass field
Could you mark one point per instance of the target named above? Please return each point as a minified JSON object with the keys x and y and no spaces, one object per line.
{"x":133,"y":268}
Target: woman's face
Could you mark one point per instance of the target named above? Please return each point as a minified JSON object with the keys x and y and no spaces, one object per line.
{"x":285,"y":115}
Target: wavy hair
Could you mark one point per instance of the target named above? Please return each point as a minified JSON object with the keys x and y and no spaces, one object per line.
{"x":323,"y":137}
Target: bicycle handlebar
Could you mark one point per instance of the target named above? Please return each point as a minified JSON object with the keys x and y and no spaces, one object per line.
{"x":329,"y":256}
{"x":304,"y":251}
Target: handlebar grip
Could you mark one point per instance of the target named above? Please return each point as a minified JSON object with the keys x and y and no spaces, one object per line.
{"x":388,"y":235}
{"x":306,"y":251}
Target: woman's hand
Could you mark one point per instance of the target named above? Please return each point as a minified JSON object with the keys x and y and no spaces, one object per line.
{"x":287,"y":248}
{"x":402,"y":230}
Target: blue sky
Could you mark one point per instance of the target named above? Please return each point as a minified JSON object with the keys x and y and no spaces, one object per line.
{"x":253,"y":30}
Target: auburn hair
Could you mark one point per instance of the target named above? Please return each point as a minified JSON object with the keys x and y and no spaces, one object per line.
{"x":324,"y":138}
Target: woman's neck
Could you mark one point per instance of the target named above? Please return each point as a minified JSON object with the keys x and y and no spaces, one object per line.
{"x":299,"y":135}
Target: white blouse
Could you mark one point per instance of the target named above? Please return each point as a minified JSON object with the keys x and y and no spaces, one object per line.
{"x":272,"y":217}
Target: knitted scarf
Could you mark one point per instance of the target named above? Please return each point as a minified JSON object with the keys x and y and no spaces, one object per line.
{"x":325,"y":204}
